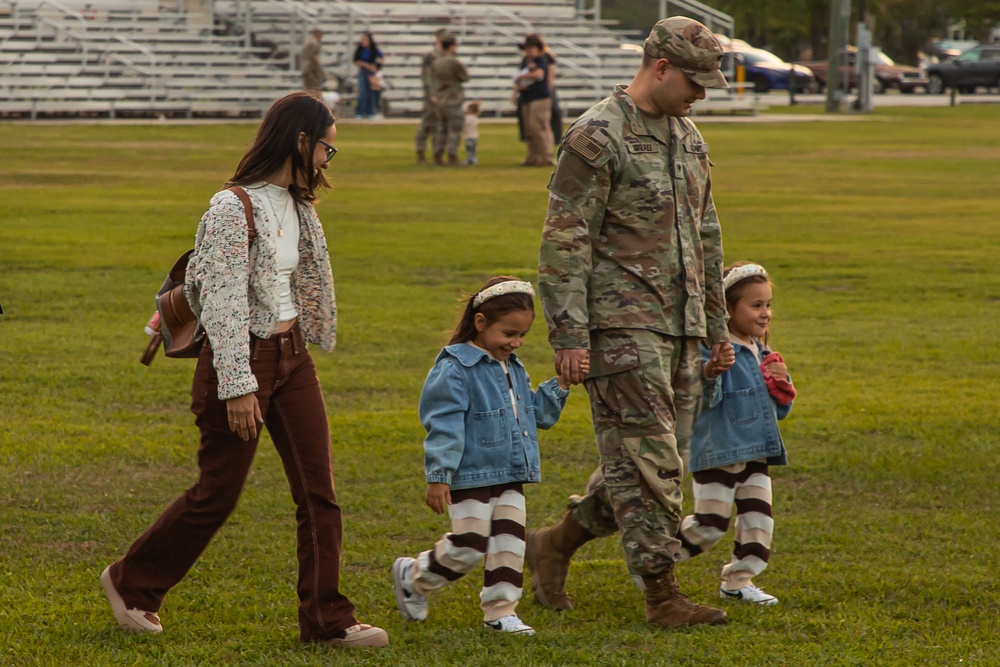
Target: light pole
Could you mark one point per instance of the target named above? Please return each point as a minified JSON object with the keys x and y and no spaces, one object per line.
{"x":840,"y":12}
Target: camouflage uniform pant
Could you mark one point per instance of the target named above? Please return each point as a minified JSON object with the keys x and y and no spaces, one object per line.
{"x":426,"y":128}
{"x":448,"y":129}
{"x":645,"y":391}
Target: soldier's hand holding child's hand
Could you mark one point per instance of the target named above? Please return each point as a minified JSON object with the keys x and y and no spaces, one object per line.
{"x":438,"y":497}
{"x":722,"y":359}
{"x":572,"y":366}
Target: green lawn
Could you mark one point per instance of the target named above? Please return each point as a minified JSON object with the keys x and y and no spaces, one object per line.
{"x":882,"y":236}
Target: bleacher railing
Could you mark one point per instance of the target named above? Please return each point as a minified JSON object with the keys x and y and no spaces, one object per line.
{"x":595,"y":76}
{"x":300,"y":18}
{"x":61,"y":28}
{"x":149,"y":73}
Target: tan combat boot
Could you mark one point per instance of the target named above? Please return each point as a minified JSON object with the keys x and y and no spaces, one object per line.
{"x":666,"y":607}
{"x":547,"y":552}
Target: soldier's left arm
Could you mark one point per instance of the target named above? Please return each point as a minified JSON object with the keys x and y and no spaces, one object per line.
{"x":579,"y":191}
{"x":711,"y":242}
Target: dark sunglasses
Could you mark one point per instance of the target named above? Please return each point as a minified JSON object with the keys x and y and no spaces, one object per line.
{"x":330,"y":150}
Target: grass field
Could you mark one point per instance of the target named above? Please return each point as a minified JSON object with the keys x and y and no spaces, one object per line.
{"x":881,"y":235}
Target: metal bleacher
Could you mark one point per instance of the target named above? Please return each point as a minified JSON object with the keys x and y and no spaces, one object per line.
{"x":590,"y":57}
{"x":122,"y":58}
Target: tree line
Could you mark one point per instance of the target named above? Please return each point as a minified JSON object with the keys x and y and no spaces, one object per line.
{"x":799,"y":29}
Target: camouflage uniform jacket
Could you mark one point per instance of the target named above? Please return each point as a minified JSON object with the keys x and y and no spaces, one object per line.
{"x":631,"y":239}
{"x":426,"y":77}
{"x":313,"y":76}
{"x":449,"y":75}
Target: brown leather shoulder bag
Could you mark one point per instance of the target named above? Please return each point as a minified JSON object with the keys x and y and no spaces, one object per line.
{"x":179,"y":330}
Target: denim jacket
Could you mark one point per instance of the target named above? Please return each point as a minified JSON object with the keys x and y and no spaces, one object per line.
{"x":473,"y":439}
{"x":739,"y":419}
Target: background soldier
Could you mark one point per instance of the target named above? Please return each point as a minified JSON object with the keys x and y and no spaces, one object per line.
{"x":426,"y":127}
{"x":630,"y":277}
{"x":313,"y":76}
{"x":449,"y":75}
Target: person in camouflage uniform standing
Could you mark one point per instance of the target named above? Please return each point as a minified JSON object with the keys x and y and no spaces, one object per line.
{"x":313,"y":76}
{"x":630,"y":277}
{"x":449,"y":97}
{"x":426,"y":128}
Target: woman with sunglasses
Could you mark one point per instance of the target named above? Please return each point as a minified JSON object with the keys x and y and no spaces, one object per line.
{"x":260,"y":301}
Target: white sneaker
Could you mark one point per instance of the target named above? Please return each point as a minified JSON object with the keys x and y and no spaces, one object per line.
{"x":360,"y":635}
{"x":130,"y":620}
{"x":412,"y":605}
{"x":749,"y":594}
{"x":510,"y":623}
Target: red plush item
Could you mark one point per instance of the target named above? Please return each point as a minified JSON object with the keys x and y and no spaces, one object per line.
{"x":781,"y":389}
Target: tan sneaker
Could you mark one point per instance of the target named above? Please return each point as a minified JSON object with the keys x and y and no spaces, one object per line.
{"x":130,"y":620}
{"x":360,"y":636}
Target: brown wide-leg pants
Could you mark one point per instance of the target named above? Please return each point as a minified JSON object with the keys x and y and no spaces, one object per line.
{"x":294,"y":414}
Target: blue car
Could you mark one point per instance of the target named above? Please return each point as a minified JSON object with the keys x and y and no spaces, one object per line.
{"x":767,"y":71}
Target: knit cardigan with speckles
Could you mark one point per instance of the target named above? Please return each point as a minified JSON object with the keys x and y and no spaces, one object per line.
{"x":233,"y":287}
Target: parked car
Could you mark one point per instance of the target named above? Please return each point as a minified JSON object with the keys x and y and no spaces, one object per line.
{"x":979,"y":66}
{"x":767,"y":71}
{"x":904,"y":78}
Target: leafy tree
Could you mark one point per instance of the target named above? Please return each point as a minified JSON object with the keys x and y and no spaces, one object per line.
{"x":797,"y":29}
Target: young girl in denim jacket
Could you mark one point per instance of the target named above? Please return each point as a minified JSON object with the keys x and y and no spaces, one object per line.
{"x":481,"y":447}
{"x":736,"y":438}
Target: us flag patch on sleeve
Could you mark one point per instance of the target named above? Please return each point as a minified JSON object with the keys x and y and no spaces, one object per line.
{"x":585,"y":146}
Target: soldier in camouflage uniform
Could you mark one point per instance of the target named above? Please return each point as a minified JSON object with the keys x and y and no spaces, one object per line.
{"x":313,"y":76}
{"x":630,"y":276}
{"x":449,"y":97}
{"x":426,"y":128}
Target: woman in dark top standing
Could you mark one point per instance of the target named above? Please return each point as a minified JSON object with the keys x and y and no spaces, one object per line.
{"x":531,"y":95}
{"x":556,"y":118}
{"x":367,"y":57}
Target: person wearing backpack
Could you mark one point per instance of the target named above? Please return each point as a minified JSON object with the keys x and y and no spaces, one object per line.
{"x":259,"y":302}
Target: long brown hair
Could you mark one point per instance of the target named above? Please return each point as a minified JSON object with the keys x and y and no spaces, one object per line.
{"x":492,"y":309}
{"x":278,"y":139}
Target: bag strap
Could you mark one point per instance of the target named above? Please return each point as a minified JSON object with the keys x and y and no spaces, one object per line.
{"x":248,"y":209}
{"x":150,"y":351}
{"x":157,"y":339}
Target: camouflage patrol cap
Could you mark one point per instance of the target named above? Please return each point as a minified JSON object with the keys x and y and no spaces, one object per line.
{"x":690,"y":47}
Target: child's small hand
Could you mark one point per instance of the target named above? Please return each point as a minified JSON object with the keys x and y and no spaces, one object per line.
{"x":779,"y":384}
{"x":776,"y":369}
{"x":438,"y":497}
{"x":722,"y":359}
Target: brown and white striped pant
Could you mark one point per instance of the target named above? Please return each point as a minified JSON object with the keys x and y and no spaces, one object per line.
{"x":715,"y":490}
{"x":485,"y":522}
